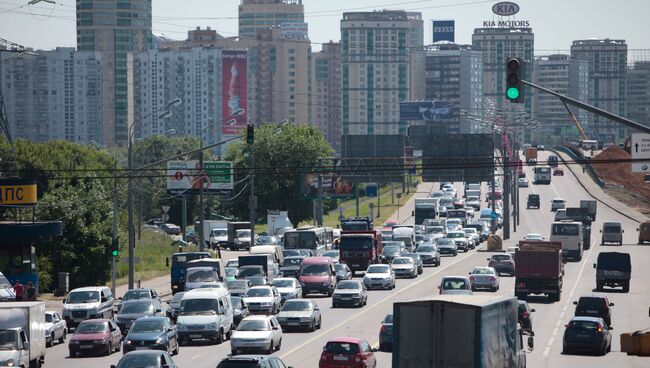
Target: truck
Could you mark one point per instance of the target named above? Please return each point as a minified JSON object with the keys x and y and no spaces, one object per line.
{"x":539,"y":269}
{"x":209,"y":235}
{"x":591,"y":205}
{"x":232,"y":232}
{"x":531,"y":154}
{"x":580,"y":214}
{"x":613,"y":269}
{"x":469,"y":331}
{"x":178,"y":268}
{"x":360,"y":249}
{"x":22,"y":334}
{"x":425,"y":208}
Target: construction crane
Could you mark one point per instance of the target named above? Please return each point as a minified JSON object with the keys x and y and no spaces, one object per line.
{"x":7,"y":46}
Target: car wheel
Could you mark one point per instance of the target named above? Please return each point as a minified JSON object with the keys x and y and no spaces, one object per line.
{"x":62,"y":339}
{"x":109,"y":349}
{"x":626,"y":287}
{"x":233,"y":352}
{"x":50,"y":341}
{"x":73,"y":354}
{"x":271,"y":349}
{"x":312,"y":327}
{"x":320,"y":322}
{"x":277,"y":348}
{"x":334,"y":305}
{"x":599,"y":286}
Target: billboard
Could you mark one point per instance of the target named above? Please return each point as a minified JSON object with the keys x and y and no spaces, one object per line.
{"x":458,"y":157}
{"x":334,"y":184}
{"x":185,"y":176}
{"x":444,"y":30}
{"x":430,"y":111}
{"x":234,"y":79}
{"x":294,"y":30}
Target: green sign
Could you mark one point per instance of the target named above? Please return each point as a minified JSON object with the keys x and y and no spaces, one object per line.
{"x":220,"y":176}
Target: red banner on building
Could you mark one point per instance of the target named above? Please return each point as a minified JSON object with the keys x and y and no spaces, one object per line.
{"x":234,"y":79}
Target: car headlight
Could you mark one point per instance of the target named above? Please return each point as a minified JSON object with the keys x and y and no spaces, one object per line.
{"x":8,"y":363}
{"x":99,"y":341}
{"x":74,"y":342}
{"x":211,"y":326}
{"x":127,"y":342}
{"x":180,"y":326}
{"x":159,"y":340}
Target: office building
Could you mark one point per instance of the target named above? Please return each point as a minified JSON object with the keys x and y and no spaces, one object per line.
{"x":114,"y":28}
{"x":638,"y":92}
{"x":255,"y":15}
{"x":607,"y":61}
{"x":382,"y":61}
{"x":326,"y":93}
{"x":53,"y":95}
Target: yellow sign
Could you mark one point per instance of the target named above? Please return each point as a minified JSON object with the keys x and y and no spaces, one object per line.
{"x":17,"y":193}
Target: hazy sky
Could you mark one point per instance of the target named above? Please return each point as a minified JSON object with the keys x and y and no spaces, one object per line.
{"x":555,"y":22}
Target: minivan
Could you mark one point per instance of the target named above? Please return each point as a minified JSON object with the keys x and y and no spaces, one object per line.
{"x":94,"y":302}
{"x":317,"y":276}
{"x":205,"y":314}
{"x":612,"y":233}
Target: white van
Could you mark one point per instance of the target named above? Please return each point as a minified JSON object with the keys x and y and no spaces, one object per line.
{"x":405,"y":234}
{"x":93,"y":302}
{"x":570,"y":235}
{"x":612,"y":233}
{"x":274,"y":250}
{"x":205,"y":314}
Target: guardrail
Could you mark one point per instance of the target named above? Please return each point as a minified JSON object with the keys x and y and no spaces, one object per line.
{"x":577,"y":156}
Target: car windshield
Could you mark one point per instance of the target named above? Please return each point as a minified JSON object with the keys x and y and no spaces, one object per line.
{"x":8,"y":340}
{"x":200,"y":306}
{"x":340,"y":268}
{"x":425,"y":248}
{"x":257,"y":280}
{"x":584,"y":325}
{"x":259,"y":293}
{"x":282,"y":283}
{"x":501,"y":257}
{"x":378,"y":269}
{"x":253,"y":325}
{"x":92,"y":327}
{"x":482,"y":271}
{"x":558,"y":201}
{"x":332,"y":254}
{"x":244,"y":234}
{"x":176,"y":299}
{"x":136,"y":294}
{"x":454,"y":284}
{"x":201,"y":275}
{"x":139,"y":361}
{"x":291,"y":262}
{"x":342,"y":348}
{"x":469,"y":231}
{"x":233,"y":263}
{"x":315,"y":270}
{"x":445,"y":241}
{"x":388,"y":318}
{"x":147,"y":325}
{"x":235,"y":301}
{"x":250,"y":271}
{"x":77,"y":297}
{"x":612,"y":229}
{"x":237,"y":284}
{"x":48,"y":317}
{"x":456,"y":235}
{"x":402,"y":261}
{"x":136,"y":308}
{"x":295,"y":306}
{"x":391,"y":250}
{"x":348,"y":285}
{"x":231,"y":271}
{"x":219,"y":233}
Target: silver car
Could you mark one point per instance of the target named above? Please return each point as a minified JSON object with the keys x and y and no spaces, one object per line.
{"x":55,"y":328}
{"x":484,"y":278}
{"x":350,"y":292}
{"x":404,"y":267}
{"x":263,"y":299}
{"x":429,"y":254}
{"x":288,"y":287}
{"x":299,"y":314}
{"x":257,"y":333}
{"x":473,"y":234}
{"x":379,"y":276}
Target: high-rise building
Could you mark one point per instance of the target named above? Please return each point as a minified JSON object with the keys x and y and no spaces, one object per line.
{"x":54,"y":94}
{"x":454,"y":73}
{"x":607,"y":61}
{"x":326,"y":93}
{"x":195,"y":38}
{"x":114,"y":28}
{"x":382,"y":61}
{"x":638,"y":92}
{"x":255,"y":15}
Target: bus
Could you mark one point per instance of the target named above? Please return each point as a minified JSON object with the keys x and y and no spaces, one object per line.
{"x":179,"y":261}
{"x":542,"y":174}
{"x":316,"y":239}
{"x":570,"y":234}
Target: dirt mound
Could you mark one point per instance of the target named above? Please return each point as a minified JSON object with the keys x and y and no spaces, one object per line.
{"x":620,"y":173}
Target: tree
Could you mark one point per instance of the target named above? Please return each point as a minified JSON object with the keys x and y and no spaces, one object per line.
{"x":282,"y":155}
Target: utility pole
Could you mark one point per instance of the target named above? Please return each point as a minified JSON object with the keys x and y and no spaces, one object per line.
{"x":130,"y":211}
{"x":184,"y":218}
{"x":252,"y":200}
{"x":202,"y":204}
{"x":114,"y":231}
{"x":506,"y":198}
{"x":319,"y":209}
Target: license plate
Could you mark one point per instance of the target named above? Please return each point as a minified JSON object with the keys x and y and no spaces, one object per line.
{"x":584,"y":336}
{"x":195,"y":336}
{"x":85,"y":346}
{"x":341,"y":358}
{"x":356,"y":265}
{"x":294,"y":323}
{"x":141,"y":348}
{"x":346,"y":299}
{"x":592,"y":311}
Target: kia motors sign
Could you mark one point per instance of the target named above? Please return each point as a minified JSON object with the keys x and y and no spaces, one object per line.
{"x":505,"y":8}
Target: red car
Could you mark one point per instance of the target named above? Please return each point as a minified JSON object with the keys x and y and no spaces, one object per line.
{"x":95,"y":336}
{"x":348,"y":352}
{"x":558,"y":172}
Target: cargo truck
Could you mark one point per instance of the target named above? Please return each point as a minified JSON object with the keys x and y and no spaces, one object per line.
{"x":214,"y":232}
{"x":531,"y":154}
{"x":613,"y":269}
{"x":425,"y":208}
{"x":22,"y":334}
{"x":539,"y":270}
{"x":232,"y":233}
{"x":359,"y":249}
{"x":469,"y":331}
{"x":591,"y":205}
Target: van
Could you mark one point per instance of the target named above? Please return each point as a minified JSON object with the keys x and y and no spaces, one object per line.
{"x":205,"y":314}
{"x":612,"y":233}
{"x":317,"y":276}
{"x":613,"y":269}
{"x":6,"y":290}
{"x":94,"y":302}
{"x":274,"y":250}
{"x":405,"y":234}
{"x":644,"y":232}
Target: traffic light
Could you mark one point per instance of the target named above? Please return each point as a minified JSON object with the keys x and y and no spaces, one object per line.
{"x":250,"y":134}
{"x":514,"y":88}
{"x":115,"y":247}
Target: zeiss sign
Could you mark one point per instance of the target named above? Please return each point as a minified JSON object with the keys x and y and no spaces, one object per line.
{"x":505,"y":8}
{"x":443,"y":30}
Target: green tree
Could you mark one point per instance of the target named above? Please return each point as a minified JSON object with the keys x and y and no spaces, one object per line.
{"x":282,"y":155}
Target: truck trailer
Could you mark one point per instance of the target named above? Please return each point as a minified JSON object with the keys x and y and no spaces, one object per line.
{"x":540,"y":269}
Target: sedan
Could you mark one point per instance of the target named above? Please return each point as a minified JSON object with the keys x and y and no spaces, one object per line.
{"x":386,"y":333}
{"x":522,"y":182}
{"x":558,"y":172}
{"x":587,"y":334}
{"x":238,"y":287}
{"x":146,"y":358}
{"x":55,"y":328}
{"x":447,"y":246}
{"x":95,"y":336}
{"x":404,"y":267}
{"x":349,"y":352}
{"x":390,"y":252}
{"x":379,"y":277}
{"x":502,"y":263}
{"x":155,"y":333}
{"x":429,"y":254}
{"x":349,"y":292}
{"x":417,"y":259}
{"x":288,"y":287}
{"x":263,"y":299}
{"x":484,"y":278}
{"x":300,"y":313}
{"x":239,"y":309}
{"x":134,"y":309}
{"x":257,"y":333}
{"x":343,"y":272}
{"x":460,"y":238}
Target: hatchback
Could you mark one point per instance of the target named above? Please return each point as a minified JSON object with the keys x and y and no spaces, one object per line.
{"x":348,"y":352}
{"x":484,"y":278}
{"x":502,"y":263}
{"x":155,"y":333}
{"x":587,"y":334}
{"x":95,"y":336}
{"x":147,"y":358}
{"x":594,"y":306}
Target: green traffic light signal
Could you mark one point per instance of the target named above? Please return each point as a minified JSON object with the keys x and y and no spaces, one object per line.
{"x":115,"y":244}
{"x":116,"y":253}
{"x":513,"y":93}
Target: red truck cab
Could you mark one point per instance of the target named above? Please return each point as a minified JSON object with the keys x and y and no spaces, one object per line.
{"x":360,"y":244}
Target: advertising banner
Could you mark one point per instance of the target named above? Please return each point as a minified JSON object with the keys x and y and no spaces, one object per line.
{"x":426,"y":110}
{"x":334,"y":185}
{"x":234,"y":79}
{"x":185,"y":176}
{"x":444,"y":30}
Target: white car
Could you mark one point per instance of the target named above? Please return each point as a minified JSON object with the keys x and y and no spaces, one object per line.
{"x":288,"y":287}
{"x":300,"y":313}
{"x":55,"y":328}
{"x":473,"y":234}
{"x":405,"y":267}
{"x":450,"y":191}
{"x":263,"y":299}
{"x":257,"y":333}
{"x":534,"y":237}
{"x":557,"y":204}
{"x":512,"y":250}
{"x":522,"y":182}
{"x":379,"y":276}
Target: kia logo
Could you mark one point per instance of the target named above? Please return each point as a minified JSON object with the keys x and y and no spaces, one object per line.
{"x":505,"y":8}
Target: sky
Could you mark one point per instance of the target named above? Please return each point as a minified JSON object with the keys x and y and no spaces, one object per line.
{"x":556,"y":23}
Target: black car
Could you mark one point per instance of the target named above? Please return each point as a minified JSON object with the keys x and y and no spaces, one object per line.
{"x":134,"y":309}
{"x":252,"y":361}
{"x":238,"y":287}
{"x":291,"y":266}
{"x":587,"y":334}
{"x":146,"y":358}
{"x":594,"y":306}
{"x":342,"y":272}
{"x":524,"y":315}
{"x":533,"y":201}
{"x":154,"y":333}
{"x":239,"y":308}
{"x":389,"y":253}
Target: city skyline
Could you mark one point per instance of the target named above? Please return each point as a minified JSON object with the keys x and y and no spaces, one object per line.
{"x":48,"y":26}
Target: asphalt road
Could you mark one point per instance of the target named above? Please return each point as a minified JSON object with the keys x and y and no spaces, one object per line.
{"x":629,"y":313}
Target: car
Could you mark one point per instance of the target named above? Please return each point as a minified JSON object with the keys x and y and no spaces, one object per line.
{"x":417,"y":259}
{"x":263,"y":299}
{"x":88,"y":303}
{"x":290,"y":253}
{"x":474,"y":202}
{"x":524,"y":315}
{"x":350,"y":292}
{"x":502,"y":263}
{"x":257,"y":333}
{"x":540,"y":147}
{"x":532,"y":201}
{"x":428,"y":254}
{"x":142,"y":293}
{"x":455,"y":285}
{"x":348,"y":352}
{"x":534,"y":236}
{"x":300,"y":314}
{"x":386,"y":333}
{"x":437,"y":194}
{"x":231,"y":273}
{"x":95,"y":336}
{"x":134,"y":309}
{"x":404,"y":267}
{"x":390,"y":252}
{"x":232,"y":263}
{"x":594,"y":306}
{"x":473,"y":234}
{"x":512,"y":250}
{"x":522,"y":182}
{"x":558,"y":172}
{"x":291,"y":266}
{"x":587,"y":334}
{"x":252,"y":361}
{"x":239,"y":309}
{"x":459,"y":203}
{"x":447,"y":246}
{"x":379,"y":277}
{"x":175,"y":305}
{"x":484,"y":278}
{"x":459,"y":237}
{"x":55,"y":328}
{"x":146,"y":358}
{"x":391,"y":223}
{"x":155,"y":333}
{"x":171,"y":229}
{"x":288,"y":287}
{"x":238,"y":287}
{"x":343,"y":272}
{"x":444,"y":184}
{"x":531,"y":162}
{"x":333,"y":254}
{"x":450,"y":191}
{"x":454,"y":225}
{"x":268,"y":240}
{"x":558,"y":203}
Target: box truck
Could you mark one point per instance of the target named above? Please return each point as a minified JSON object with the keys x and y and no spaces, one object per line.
{"x":22,"y":331}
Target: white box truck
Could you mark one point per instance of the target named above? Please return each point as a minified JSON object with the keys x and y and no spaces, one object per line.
{"x":22,"y":334}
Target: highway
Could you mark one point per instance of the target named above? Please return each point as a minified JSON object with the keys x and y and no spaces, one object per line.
{"x":630,"y":312}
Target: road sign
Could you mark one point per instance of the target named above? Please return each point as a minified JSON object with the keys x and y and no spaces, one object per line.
{"x":14,"y":192}
{"x":165,"y":217}
{"x":165,"y":209}
{"x":640,"y":148}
